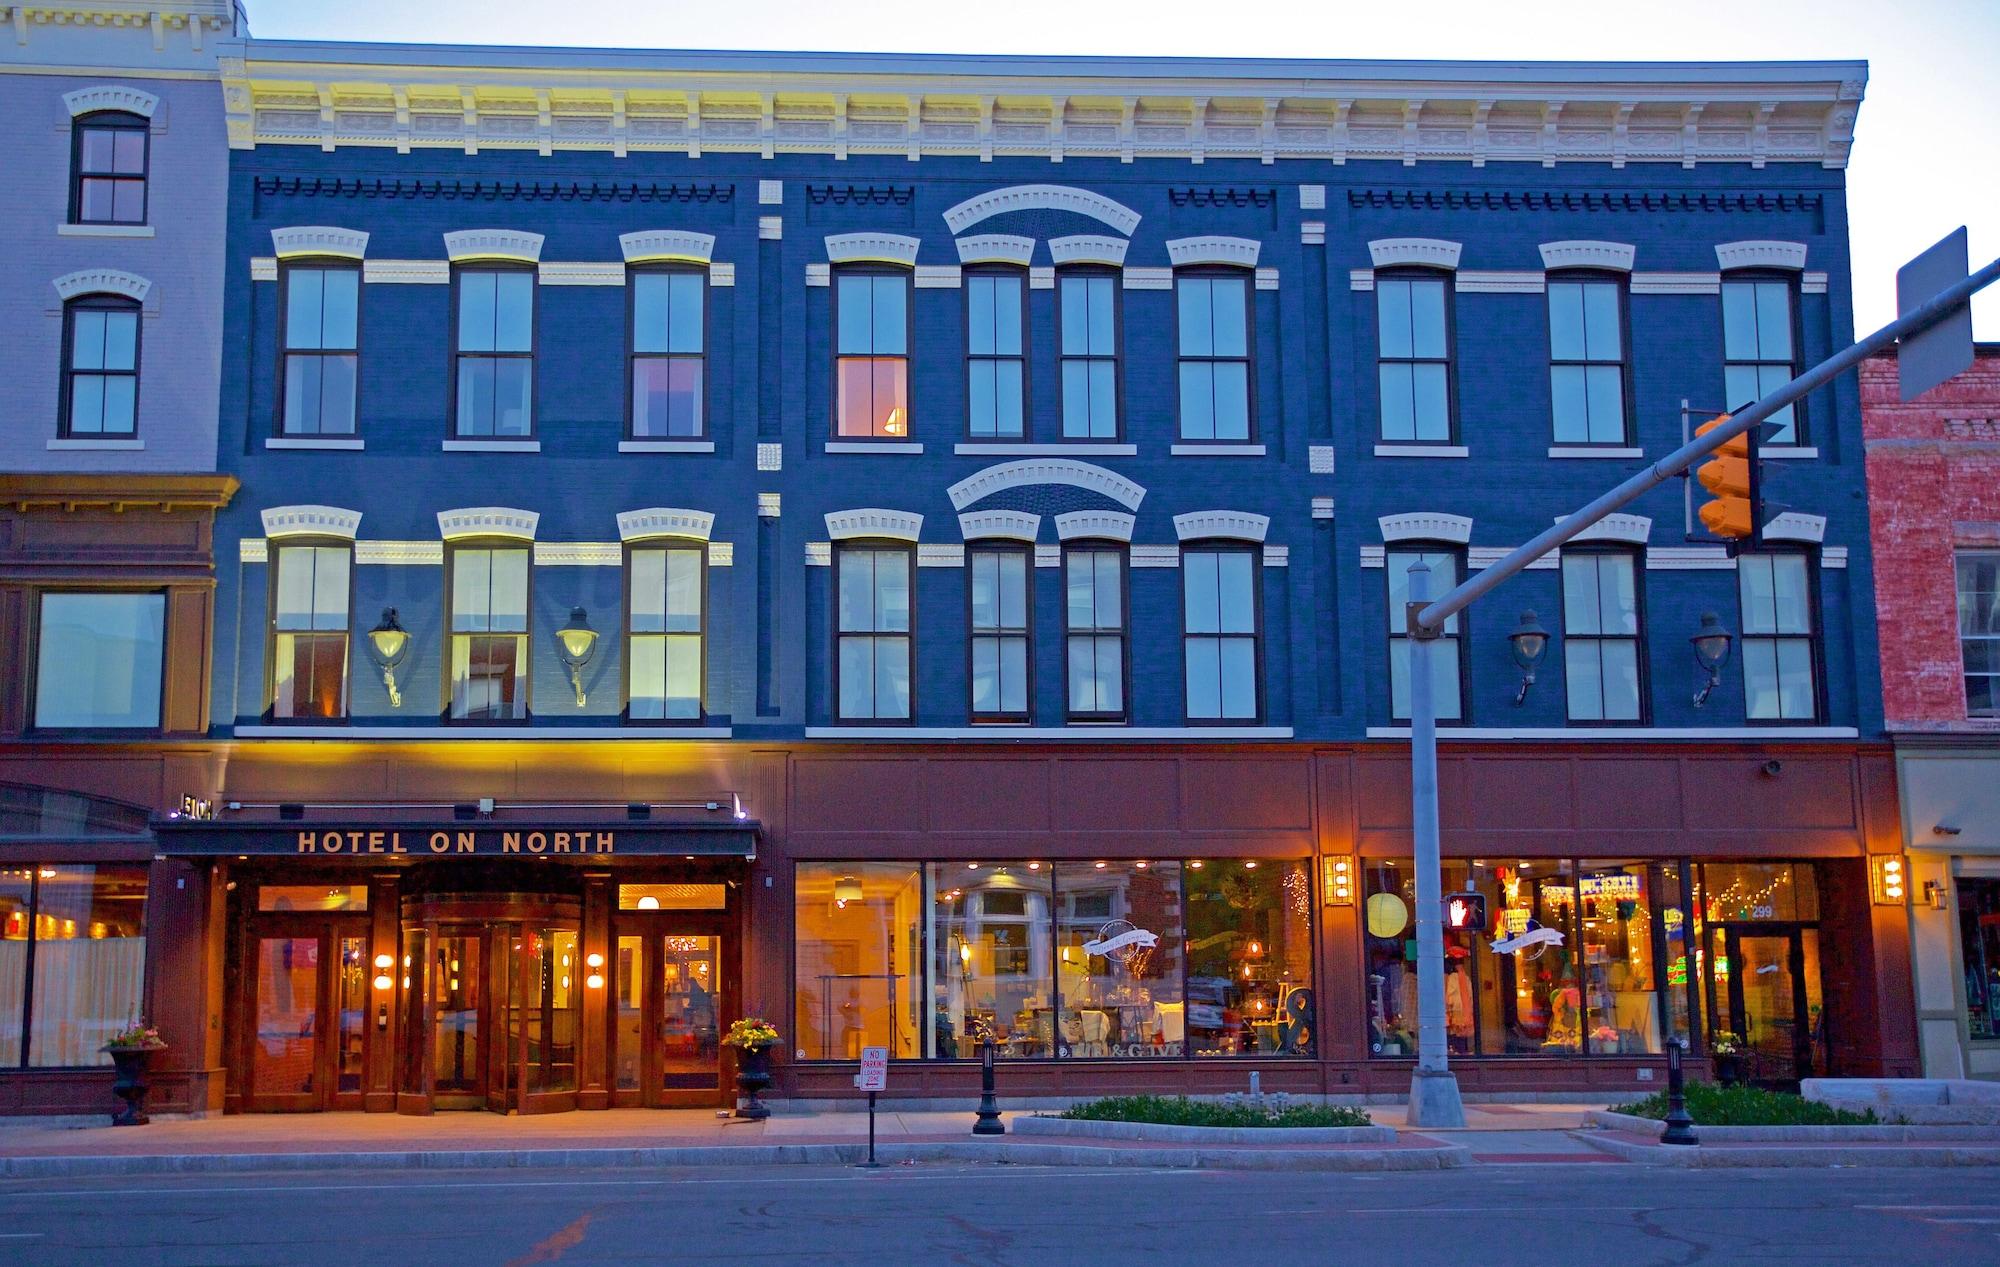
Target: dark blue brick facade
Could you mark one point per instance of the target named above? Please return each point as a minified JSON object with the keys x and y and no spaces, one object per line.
{"x":769,"y":366}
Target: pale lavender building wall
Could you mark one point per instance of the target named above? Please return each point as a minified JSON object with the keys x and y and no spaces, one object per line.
{"x":167,"y":54}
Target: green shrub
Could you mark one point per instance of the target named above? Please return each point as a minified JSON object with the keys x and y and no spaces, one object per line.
{"x":1181,"y":1111}
{"x":1712,"y":1105}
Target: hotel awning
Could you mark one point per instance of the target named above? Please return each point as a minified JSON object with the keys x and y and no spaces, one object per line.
{"x":380,"y":841}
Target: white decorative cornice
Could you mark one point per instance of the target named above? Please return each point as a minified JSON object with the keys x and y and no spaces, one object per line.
{"x":580,"y":273}
{"x":407,"y":272}
{"x":654,"y":245}
{"x":995,"y":248}
{"x":1015,"y":525}
{"x":1616,"y":256}
{"x":1423,"y":252}
{"x":664,"y":521}
{"x":488,"y":521}
{"x":579,"y":554}
{"x":311,"y":521}
{"x":898,"y":525}
{"x":997,"y":202}
{"x":103,"y":281}
{"x":493,"y":244}
{"x":1084,"y":248}
{"x":881,"y":248}
{"x":1239,"y":525}
{"x":1787,"y":255}
{"x":109,"y":97}
{"x":1793,"y":526}
{"x":1630,"y":529}
{"x":1102,"y":525}
{"x":319,"y":239}
{"x":1241,"y":252}
{"x":1426,"y":526}
{"x":1033,"y":471}
{"x":399,"y":553}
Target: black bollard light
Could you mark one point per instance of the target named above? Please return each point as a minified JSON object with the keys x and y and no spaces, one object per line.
{"x":989,"y":1108}
{"x":1680,"y":1127}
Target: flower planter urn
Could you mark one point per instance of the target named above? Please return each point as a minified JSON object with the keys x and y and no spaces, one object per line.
{"x":129,"y":1083}
{"x":753,"y":1075}
{"x":1729,"y":1068}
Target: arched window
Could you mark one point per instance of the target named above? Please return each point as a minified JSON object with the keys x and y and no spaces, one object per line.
{"x":100,"y":390}
{"x":108,"y":156}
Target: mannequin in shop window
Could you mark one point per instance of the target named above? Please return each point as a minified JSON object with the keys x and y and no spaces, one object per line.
{"x":1458,"y":1001}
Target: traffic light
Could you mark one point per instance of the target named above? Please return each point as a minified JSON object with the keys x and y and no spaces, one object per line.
{"x":1465,"y":913}
{"x":1730,"y":475}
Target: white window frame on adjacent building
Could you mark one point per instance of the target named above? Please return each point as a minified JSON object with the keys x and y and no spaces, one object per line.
{"x":1979,"y":629}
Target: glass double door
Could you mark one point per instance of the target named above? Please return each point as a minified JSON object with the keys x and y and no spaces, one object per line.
{"x":670,"y":992}
{"x":494,"y":1015}
{"x":1769,"y":996}
{"x":306,"y":1009}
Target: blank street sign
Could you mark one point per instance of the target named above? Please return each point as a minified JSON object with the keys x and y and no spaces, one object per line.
{"x":1924,"y":360}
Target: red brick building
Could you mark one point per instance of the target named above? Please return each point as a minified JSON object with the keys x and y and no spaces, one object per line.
{"x":1934,"y":510}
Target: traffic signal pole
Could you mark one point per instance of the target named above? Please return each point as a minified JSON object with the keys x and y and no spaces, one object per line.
{"x":1434,"y":1095}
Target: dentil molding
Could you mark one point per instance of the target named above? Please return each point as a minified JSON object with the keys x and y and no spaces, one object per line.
{"x":315,"y":521}
{"x":664,"y":521}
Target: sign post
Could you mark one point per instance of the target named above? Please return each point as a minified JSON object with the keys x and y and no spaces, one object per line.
{"x":873,"y":1078}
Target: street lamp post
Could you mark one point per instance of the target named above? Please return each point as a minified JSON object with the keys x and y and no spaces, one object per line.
{"x":1434,"y":1099}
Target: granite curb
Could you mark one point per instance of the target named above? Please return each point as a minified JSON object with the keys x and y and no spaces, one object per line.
{"x":994,"y":1150}
{"x":1779,"y":1157}
{"x":1883,"y":1133}
{"x":1157,"y":1132}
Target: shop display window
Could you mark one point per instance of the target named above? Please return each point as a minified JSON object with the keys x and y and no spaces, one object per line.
{"x":1249,"y":936}
{"x":85,"y":927}
{"x":1759,"y":892}
{"x":1979,"y":946}
{"x":1577,"y":959}
{"x":859,"y":946}
{"x":1118,"y":962}
{"x":992,"y":947}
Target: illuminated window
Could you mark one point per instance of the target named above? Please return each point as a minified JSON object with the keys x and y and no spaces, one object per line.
{"x":309,"y":631}
{"x":872,"y":354}
{"x":668,"y":341}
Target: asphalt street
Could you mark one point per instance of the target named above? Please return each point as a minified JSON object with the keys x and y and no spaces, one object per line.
{"x":990,"y":1214}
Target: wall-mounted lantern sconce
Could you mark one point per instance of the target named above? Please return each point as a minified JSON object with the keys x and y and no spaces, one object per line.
{"x":390,"y":642}
{"x":1530,"y":643}
{"x":1337,"y":881}
{"x":576,"y":642}
{"x":1934,"y":895}
{"x":1889,"y":877}
{"x":1711,"y":651}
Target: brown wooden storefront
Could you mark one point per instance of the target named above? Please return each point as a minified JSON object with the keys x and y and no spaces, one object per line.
{"x":209,"y":933}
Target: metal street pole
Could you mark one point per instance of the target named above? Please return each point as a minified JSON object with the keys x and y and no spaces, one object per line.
{"x":1434,"y":1099}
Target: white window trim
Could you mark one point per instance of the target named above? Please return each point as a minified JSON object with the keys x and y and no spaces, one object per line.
{"x":1232,"y":525}
{"x":995,"y":248}
{"x":1584,"y":253}
{"x":1041,"y":197}
{"x":1426,"y":525}
{"x":467,"y":245}
{"x":319,"y":239}
{"x":103,"y":281}
{"x":1088,"y":249}
{"x":1106,"y":525}
{"x":123,"y":97}
{"x":871,"y":248}
{"x":488,"y":521}
{"x":874,"y":521}
{"x":1760,"y":253}
{"x":1009,"y":525}
{"x":653,"y":246}
{"x":1213,"y":249}
{"x":310,"y":521}
{"x":1084,"y":475}
{"x":664,"y":521}
{"x":1414,"y":252}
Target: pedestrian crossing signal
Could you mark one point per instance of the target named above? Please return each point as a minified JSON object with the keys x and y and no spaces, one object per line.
{"x":1465,"y":913}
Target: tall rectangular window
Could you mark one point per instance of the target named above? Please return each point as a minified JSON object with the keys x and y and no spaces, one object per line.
{"x":668,"y":345}
{"x":1094,"y":620}
{"x":1601,"y":636}
{"x":322,"y":341}
{"x":1214,"y":356}
{"x":84,"y":930}
{"x":996,"y":354}
{"x":309,"y":631}
{"x":1979,"y":630}
{"x":664,"y":633}
{"x":1219,"y":588}
{"x":98,"y":661}
{"x":489,"y":633}
{"x":1758,"y":350}
{"x":496,"y":353}
{"x":1088,"y":320}
{"x":1587,"y":360}
{"x":1446,"y":668}
{"x":872,"y":355}
{"x":1779,"y":674}
{"x":858,"y":939}
{"x":998,"y":595}
{"x":1414,"y":358}
{"x":873,"y":623}
{"x":101,"y":367}
{"x":108,"y":157}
